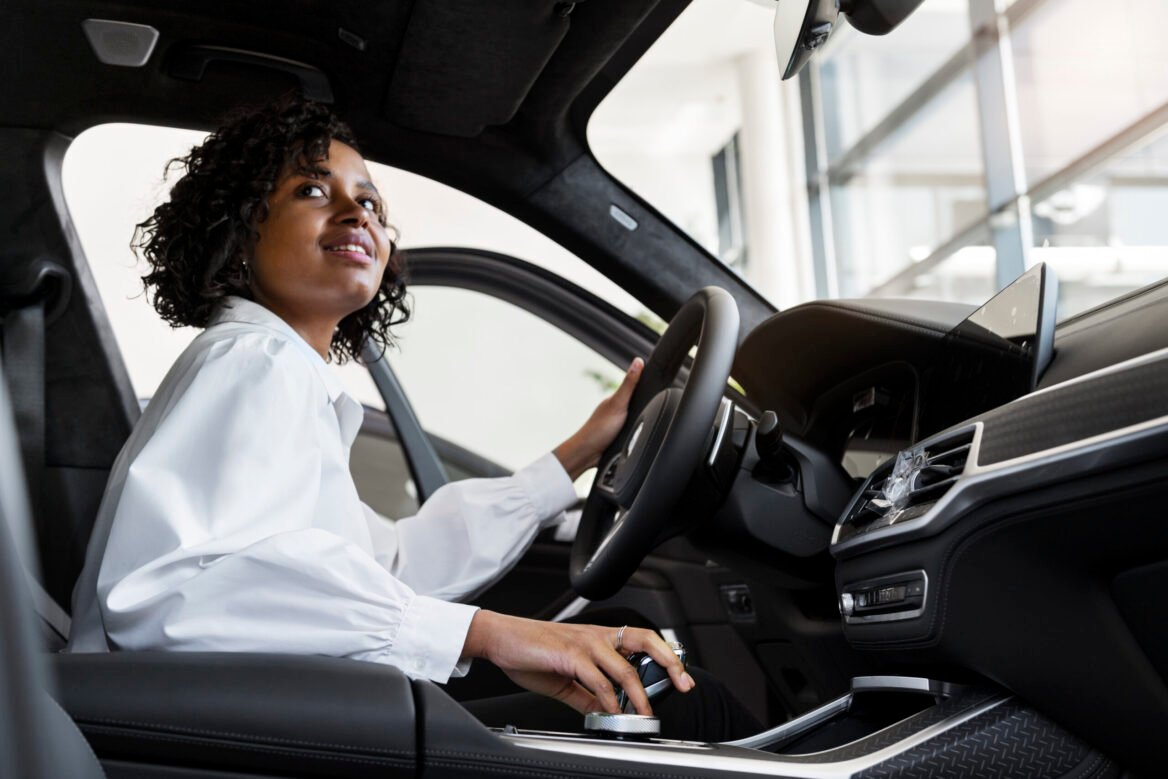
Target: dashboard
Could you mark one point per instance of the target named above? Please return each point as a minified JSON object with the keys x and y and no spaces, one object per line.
{"x":1019,"y":541}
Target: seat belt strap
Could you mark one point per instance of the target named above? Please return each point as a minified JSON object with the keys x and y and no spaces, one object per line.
{"x":50,"y":612}
{"x":24,"y":365}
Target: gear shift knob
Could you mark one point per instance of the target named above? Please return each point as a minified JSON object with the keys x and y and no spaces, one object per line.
{"x":654,"y":678}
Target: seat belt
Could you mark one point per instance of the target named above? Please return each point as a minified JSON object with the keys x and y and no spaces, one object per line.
{"x":24,"y":365}
{"x":24,"y":369}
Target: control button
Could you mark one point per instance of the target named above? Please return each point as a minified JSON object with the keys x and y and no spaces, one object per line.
{"x":890,"y":595}
{"x":916,"y":588}
{"x":861,"y":599}
{"x":738,"y":601}
{"x":847,"y":604}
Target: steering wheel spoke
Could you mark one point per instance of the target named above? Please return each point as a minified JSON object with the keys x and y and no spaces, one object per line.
{"x":606,"y":493}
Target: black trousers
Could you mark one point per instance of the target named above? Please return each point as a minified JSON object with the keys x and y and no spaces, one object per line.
{"x":708,"y":712}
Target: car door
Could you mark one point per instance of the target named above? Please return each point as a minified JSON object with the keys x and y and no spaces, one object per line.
{"x":500,"y":362}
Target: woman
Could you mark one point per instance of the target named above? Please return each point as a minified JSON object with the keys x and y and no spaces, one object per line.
{"x":230,"y":521}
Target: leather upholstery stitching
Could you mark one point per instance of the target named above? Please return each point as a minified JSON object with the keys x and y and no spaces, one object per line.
{"x":158,"y":729}
{"x":266,"y":750}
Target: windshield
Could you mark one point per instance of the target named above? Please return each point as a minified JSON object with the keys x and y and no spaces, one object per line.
{"x":940,"y":161}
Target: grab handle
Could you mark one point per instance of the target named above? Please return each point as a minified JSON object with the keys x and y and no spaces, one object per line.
{"x":190,"y":63}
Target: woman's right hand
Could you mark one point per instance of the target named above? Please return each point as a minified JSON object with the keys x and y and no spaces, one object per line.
{"x":575,"y":664}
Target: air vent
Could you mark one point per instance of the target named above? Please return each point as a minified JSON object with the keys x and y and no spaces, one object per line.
{"x":909,"y":485}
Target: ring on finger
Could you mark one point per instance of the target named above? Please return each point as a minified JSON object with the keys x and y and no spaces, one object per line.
{"x":620,"y":639}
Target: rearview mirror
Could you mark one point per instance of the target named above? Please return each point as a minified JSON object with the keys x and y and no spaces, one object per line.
{"x":802,"y":26}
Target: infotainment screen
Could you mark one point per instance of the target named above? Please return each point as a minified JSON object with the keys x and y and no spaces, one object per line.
{"x":996,"y":355}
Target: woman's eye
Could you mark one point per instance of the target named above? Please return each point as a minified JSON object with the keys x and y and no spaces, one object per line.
{"x":312,"y":190}
{"x":369,"y":203}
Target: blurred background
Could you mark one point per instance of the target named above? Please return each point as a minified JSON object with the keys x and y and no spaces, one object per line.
{"x":939,"y":161}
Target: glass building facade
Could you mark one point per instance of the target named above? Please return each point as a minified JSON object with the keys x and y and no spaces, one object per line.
{"x":981,"y":137}
{"x":940,"y":161}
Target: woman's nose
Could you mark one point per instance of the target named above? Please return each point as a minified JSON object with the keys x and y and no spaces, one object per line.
{"x":350,"y":211}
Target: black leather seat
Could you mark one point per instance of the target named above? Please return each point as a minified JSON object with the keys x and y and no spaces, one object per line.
{"x":37,"y":738}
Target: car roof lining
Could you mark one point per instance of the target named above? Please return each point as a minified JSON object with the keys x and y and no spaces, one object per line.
{"x":444,"y":67}
{"x":512,"y":166}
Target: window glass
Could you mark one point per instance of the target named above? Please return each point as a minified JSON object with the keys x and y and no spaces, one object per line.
{"x":1085,"y":71}
{"x":965,"y":274}
{"x":879,"y":173}
{"x":113,"y":179}
{"x":917,"y":190}
{"x":1105,"y":233}
{"x":864,"y":77}
{"x":703,"y":129}
{"x":492,"y":378}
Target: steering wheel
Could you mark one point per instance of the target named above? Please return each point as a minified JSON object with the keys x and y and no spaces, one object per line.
{"x":645,"y":470}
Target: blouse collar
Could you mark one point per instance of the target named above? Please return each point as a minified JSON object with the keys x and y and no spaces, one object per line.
{"x":237,"y":309}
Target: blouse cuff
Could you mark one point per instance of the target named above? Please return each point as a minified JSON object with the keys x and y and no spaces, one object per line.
{"x":547,"y":485}
{"x":429,"y":641}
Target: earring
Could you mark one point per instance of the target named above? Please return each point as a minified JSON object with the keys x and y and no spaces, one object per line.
{"x":246,"y":272}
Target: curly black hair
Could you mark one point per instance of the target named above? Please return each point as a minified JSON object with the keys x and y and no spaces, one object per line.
{"x":197,"y":242}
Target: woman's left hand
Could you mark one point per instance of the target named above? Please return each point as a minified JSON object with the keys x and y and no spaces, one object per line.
{"x":582,"y":451}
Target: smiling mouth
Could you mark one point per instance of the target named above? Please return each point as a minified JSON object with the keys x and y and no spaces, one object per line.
{"x":351,"y":251}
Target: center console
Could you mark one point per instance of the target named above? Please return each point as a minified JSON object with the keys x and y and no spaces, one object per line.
{"x":225,"y":714}
{"x":885,"y":726}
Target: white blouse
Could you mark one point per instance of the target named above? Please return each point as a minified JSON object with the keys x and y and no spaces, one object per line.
{"x":230,"y":521}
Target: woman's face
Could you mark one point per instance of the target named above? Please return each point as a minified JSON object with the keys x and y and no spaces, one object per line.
{"x":322,"y":249}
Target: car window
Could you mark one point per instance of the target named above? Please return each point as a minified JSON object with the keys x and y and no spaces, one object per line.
{"x":919,"y":164}
{"x":494,"y":379}
{"x":113,"y":178}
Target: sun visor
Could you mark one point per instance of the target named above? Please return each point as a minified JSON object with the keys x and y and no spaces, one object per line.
{"x":468,"y":64}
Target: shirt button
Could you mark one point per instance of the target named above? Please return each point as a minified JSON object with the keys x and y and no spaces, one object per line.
{"x":418,"y":664}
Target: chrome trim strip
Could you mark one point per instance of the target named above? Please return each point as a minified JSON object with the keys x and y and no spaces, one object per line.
{"x":723,"y":423}
{"x":728,"y":758}
{"x":1156,"y":356}
{"x":860,"y":684}
{"x":795,"y":727}
{"x":898,"y":684}
{"x":657,"y":687}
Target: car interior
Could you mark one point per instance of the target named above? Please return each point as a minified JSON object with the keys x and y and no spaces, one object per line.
{"x":983,"y":602}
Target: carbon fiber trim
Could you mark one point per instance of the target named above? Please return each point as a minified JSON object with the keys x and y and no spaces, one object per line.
{"x":1008,"y":741}
{"x":1077,"y":411}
